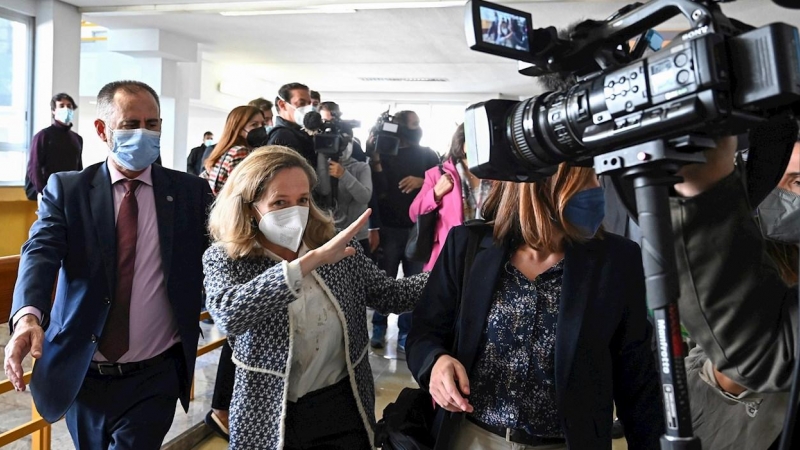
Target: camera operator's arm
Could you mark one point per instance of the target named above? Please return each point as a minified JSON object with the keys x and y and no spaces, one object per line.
{"x":732,"y":300}
{"x":357,"y":180}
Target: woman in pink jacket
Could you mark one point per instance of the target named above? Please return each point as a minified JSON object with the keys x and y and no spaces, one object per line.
{"x":453,"y":191}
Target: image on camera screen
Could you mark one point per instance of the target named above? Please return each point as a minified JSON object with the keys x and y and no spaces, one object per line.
{"x":504,"y":29}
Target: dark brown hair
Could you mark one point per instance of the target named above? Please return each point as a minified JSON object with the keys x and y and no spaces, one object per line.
{"x":456,"y":152}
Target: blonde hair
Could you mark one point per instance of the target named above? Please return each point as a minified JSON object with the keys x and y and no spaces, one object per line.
{"x":230,"y":222}
{"x":533,"y":213}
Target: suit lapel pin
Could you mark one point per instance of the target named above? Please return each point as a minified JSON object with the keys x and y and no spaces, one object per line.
{"x":169,"y":198}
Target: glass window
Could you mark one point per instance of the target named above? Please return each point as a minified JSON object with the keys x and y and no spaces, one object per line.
{"x":438,"y":120}
{"x":15,"y":101}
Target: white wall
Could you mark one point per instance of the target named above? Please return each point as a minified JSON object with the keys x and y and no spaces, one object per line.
{"x":27,"y":7}
{"x":56,"y":56}
{"x":202,"y":119}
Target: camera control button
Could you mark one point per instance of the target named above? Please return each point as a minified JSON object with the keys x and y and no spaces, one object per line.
{"x":683,"y":76}
{"x":681,"y":59}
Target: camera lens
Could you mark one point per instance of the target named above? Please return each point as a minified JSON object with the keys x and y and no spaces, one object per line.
{"x":539,"y":130}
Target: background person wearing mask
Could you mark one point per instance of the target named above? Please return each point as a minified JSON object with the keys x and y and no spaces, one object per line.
{"x":266,"y":108}
{"x":294,"y":102}
{"x":116,"y":347}
{"x":457,"y":195}
{"x":733,"y":301}
{"x":551,"y":326}
{"x":54,"y":149}
{"x":354,"y":187}
{"x":233,"y":146}
{"x":194,"y":163}
{"x":402,"y":175}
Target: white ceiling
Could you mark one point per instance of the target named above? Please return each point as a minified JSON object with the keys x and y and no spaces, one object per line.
{"x":330,"y":52}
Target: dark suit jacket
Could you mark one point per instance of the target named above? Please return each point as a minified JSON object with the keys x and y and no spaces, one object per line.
{"x":602,"y":345}
{"x":75,"y":238}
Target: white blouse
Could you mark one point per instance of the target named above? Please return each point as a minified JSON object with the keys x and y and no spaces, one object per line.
{"x":317,"y":348}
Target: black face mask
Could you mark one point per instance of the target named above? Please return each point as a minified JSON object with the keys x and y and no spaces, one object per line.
{"x":257,"y":137}
{"x":411,"y":136}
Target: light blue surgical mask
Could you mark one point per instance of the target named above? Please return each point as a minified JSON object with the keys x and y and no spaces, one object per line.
{"x":208,"y":142}
{"x":586,"y":210}
{"x":135,"y":149}
{"x":64,"y":115}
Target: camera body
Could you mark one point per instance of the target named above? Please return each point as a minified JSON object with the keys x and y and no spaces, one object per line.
{"x":331,"y":137}
{"x":386,"y":134}
{"x":711,"y":80}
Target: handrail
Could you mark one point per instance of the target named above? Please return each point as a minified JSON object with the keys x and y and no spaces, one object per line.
{"x":38,"y":426}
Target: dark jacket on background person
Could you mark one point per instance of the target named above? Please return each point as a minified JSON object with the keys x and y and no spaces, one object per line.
{"x":194,"y":163}
{"x":602,"y":354}
{"x":54,"y":149}
{"x":393,"y":203}
{"x":290,"y":134}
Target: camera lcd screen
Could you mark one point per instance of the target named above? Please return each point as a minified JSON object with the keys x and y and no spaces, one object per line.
{"x":504,"y":29}
{"x":499,"y":30}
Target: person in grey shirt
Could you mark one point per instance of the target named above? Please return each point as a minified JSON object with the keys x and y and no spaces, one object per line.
{"x":354,"y":192}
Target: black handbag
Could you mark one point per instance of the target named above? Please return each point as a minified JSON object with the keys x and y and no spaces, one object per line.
{"x":407,"y":424}
{"x":420,"y":239}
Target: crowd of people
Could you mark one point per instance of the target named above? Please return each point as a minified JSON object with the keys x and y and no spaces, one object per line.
{"x":537,"y":343}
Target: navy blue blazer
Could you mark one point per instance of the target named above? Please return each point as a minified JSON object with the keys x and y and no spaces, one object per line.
{"x":74,"y":238}
{"x":603,"y":338}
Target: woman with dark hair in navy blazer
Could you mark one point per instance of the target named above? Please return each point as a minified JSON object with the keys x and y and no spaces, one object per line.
{"x":552,"y":329}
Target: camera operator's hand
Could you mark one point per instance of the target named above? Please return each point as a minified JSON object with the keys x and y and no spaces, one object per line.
{"x":410,"y":184}
{"x":446,"y":372}
{"x":443,"y":187}
{"x":698,"y":178}
{"x":335,"y":169}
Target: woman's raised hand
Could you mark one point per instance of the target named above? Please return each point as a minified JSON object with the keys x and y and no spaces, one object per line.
{"x":336,"y":249}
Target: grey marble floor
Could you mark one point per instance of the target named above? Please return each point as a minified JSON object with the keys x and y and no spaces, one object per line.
{"x":15,"y":407}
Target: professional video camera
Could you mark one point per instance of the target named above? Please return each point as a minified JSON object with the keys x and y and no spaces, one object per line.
{"x":720,"y":77}
{"x":639,"y":119}
{"x":385,"y":133}
{"x":331,"y":137}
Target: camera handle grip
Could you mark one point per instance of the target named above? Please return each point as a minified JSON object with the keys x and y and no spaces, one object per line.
{"x":652,"y":167}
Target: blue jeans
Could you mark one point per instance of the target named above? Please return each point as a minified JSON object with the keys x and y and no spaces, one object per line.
{"x":390,"y":254}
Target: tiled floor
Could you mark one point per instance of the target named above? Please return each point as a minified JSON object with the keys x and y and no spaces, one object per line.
{"x":15,"y":407}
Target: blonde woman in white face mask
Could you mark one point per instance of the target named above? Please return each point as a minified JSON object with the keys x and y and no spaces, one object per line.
{"x":291,"y":295}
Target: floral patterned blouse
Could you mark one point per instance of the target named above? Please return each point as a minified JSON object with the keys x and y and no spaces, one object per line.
{"x":224,"y":166}
{"x":513,"y":381}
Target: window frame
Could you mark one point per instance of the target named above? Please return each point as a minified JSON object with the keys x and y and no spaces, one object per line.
{"x":30,"y":23}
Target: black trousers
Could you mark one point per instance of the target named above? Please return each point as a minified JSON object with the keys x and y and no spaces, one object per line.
{"x":226,"y":373}
{"x":327,"y":419}
{"x":131,"y":412}
{"x":391,"y":254}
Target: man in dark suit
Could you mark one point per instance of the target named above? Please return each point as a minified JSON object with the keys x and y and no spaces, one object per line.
{"x":126,"y":237}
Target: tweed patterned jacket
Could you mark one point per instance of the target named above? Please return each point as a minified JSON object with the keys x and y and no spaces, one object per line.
{"x":249,"y":298}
